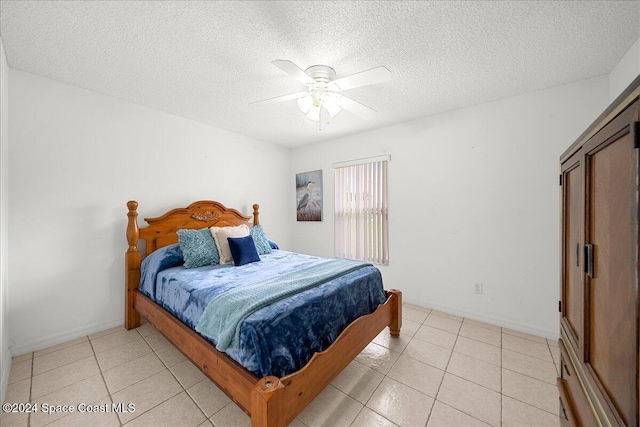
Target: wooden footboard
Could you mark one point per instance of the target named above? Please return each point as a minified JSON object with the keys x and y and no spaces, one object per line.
{"x":272,"y":401}
{"x":301,"y":387}
{"x":230,"y":376}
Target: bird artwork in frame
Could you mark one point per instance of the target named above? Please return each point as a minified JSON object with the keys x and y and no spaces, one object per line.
{"x":309,"y":196}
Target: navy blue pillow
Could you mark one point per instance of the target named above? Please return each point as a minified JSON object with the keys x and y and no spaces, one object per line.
{"x":273,"y":244}
{"x":243,"y":250}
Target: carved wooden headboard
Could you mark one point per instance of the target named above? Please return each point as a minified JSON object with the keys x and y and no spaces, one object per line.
{"x":161,"y":231}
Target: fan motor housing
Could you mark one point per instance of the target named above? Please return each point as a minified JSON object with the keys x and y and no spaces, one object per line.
{"x":321,"y":73}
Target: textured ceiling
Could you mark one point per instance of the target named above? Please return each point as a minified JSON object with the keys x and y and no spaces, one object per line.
{"x":208,"y":60}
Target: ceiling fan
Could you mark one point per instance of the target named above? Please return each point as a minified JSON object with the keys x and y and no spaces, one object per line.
{"x":323,"y":94}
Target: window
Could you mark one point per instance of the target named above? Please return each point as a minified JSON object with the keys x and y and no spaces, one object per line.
{"x":361,"y":218}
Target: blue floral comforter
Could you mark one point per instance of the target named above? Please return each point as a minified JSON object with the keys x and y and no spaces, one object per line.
{"x":281,"y":337}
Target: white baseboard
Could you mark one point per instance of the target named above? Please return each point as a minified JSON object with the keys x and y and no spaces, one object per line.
{"x":4,"y":380}
{"x":44,"y":342}
{"x":504,"y":323}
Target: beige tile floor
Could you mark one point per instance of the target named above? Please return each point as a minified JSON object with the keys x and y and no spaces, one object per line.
{"x":444,"y":370}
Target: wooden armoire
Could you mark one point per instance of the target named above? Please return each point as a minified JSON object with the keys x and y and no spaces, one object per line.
{"x":599,"y":294}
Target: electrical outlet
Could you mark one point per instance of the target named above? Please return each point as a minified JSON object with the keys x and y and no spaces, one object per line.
{"x":477,"y":288}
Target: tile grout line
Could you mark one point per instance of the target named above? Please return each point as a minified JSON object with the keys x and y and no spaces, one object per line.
{"x":435,"y":399}
{"x":446,"y":372}
{"x":553,"y":358}
{"x":518,"y":400}
{"x":104,"y":381}
{"x":110,"y":395}
{"x":501,"y":371}
{"x":529,"y":404}
{"x":137,"y":382}
{"x":377,"y":387}
{"x":53,"y":391}
{"x":528,"y":376}
{"x":405,"y":348}
{"x":30,"y":387}
{"x":155,"y":352}
{"x":64,"y":364}
{"x":384,"y":376}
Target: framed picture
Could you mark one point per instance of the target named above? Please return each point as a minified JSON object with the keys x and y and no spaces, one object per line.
{"x":309,"y":196}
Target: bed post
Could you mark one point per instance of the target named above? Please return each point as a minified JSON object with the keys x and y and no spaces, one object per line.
{"x":396,"y":312}
{"x":267,"y":403}
{"x":132,"y":267}
{"x":256,"y":214}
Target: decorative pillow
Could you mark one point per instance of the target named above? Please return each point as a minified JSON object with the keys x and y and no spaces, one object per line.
{"x":198,"y":248}
{"x":273,"y":244}
{"x":243,"y":250}
{"x":220,"y":235}
{"x":260,"y":239}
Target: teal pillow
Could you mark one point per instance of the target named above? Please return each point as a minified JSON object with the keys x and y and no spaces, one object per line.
{"x":198,"y":248}
{"x":260,"y":239}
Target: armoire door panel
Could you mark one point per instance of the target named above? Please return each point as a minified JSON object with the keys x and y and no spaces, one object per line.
{"x":572,"y":280}
{"x":612,"y":171}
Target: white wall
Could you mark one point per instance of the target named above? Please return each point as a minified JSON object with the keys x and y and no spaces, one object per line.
{"x":473,"y":198}
{"x":627,"y":69}
{"x":5,"y":354}
{"x":77,"y":157}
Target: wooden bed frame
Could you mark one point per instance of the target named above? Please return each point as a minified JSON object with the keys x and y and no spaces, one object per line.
{"x":269,"y":401}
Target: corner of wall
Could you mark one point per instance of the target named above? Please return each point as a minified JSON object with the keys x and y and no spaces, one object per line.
{"x":5,"y":353}
{"x":625,"y":71}
{"x":5,"y":369}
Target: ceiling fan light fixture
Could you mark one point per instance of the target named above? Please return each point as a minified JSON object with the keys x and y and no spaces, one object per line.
{"x":322,"y":90}
{"x":314,"y":114}
{"x":314,"y":101}
{"x":330,"y":103}
{"x":305,"y":103}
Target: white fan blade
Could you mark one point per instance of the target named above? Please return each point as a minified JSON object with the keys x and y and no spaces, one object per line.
{"x":356,"y":108}
{"x":364,"y":78}
{"x":282,"y":98}
{"x":293,"y":70}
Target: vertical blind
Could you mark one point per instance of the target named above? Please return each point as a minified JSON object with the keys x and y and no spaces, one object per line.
{"x":361,"y":217}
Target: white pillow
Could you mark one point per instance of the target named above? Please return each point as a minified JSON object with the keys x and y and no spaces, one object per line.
{"x":220,"y":235}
